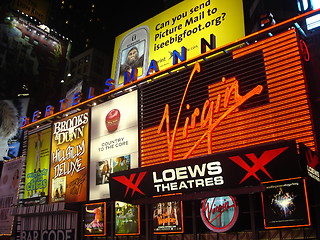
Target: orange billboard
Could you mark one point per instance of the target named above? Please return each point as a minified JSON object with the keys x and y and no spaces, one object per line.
{"x":253,"y":95}
{"x":69,"y":158}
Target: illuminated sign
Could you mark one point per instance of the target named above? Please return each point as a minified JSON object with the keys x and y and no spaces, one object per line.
{"x":95,"y":219}
{"x":241,"y":167}
{"x":168,"y":217}
{"x":205,"y":116}
{"x":37,"y":164}
{"x":69,"y":158}
{"x":256,"y":94}
{"x":182,"y":25}
{"x":114,"y":141}
{"x":285,"y":204}
{"x":219,"y":214}
{"x":127,"y":219}
{"x":311,"y":161}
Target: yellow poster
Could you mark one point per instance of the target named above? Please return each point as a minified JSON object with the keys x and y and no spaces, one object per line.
{"x":184,"y":25}
{"x":37,"y":164}
{"x":69,"y":158}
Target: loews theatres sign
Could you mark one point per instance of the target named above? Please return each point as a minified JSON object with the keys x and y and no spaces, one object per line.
{"x":243,"y":167}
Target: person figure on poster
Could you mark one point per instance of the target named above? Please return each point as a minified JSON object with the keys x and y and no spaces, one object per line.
{"x":105,"y":172}
{"x":133,"y":61}
{"x":15,"y":180}
{"x":174,"y":214}
{"x":98,"y":218}
{"x":118,"y":211}
{"x":131,"y":220}
{"x":37,"y":146}
{"x":121,"y":164}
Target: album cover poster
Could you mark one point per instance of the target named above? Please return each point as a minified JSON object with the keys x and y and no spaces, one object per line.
{"x":285,"y":204}
{"x":168,"y":217}
{"x":127,"y":219}
{"x":95,"y":219}
{"x":69,"y":160}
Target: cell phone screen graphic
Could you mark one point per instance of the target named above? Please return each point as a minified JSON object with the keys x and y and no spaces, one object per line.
{"x":132,"y":57}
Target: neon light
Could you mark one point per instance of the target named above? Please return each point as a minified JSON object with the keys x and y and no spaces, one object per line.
{"x":219,"y":214}
{"x":207,"y":120}
{"x":286,"y":116}
{"x":36,"y":116}
{"x":166,"y":117}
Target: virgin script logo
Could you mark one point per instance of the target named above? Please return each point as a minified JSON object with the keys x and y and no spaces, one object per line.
{"x":130,"y":183}
{"x":205,"y":116}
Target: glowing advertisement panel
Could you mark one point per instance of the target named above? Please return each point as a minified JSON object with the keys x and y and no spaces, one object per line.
{"x":127,"y":219}
{"x":241,"y":98}
{"x":182,"y":25}
{"x":37,"y":164}
{"x":285,"y":204}
{"x":114,"y":141}
{"x":69,"y":158}
{"x":9,"y":185}
{"x":95,"y":219}
{"x":168,"y":217}
{"x":231,"y":169}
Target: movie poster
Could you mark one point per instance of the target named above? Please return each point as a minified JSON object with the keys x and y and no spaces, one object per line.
{"x":69,"y":158}
{"x":127,"y":217}
{"x":168,"y":217}
{"x":95,"y":219}
{"x":37,"y":164}
{"x":114,"y":141}
{"x":9,"y":185}
{"x":285,"y":204}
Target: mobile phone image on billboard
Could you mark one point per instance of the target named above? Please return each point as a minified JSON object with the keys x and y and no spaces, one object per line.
{"x":133,"y":54}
